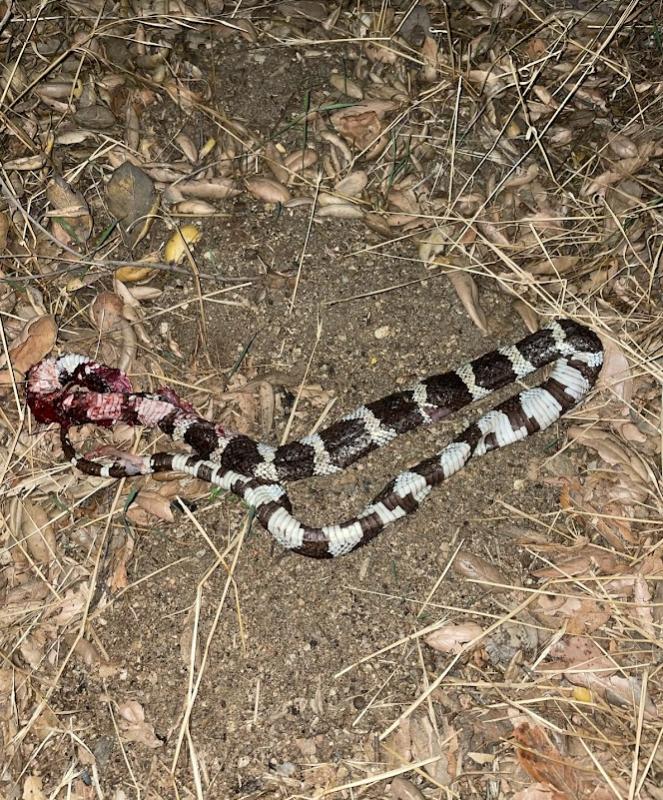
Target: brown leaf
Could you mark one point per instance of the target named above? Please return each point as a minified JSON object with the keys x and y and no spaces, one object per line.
{"x":362,"y":124}
{"x":71,"y":607}
{"x":543,"y":762}
{"x":643,"y":607}
{"x":476,"y":568}
{"x":582,"y":615}
{"x":468,"y":292}
{"x":72,"y":222}
{"x":451,"y":638}
{"x":538,"y":791}
{"x":38,"y":533}
{"x":134,"y":727}
{"x":218,"y":189}
{"x":554,"y":265}
{"x":35,"y":341}
{"x":398,"y":745}
{"x":180,"y":243}
{"x":426,"y":742}
{"x":352,"y":185}
{"x":616,"y":372}
{"x":106,"y":311}
{"x":582,"y":653}
{"x":133,"y":201}
{"x":155,"y":504}
{"x":187,"y":642}
{"x":403,"y":789}
{"x":33,"y":788}
{"x":267,"y":190}
{"x":346,"y":86}
{"x":4,"y":230}
{"x":117,"y":572}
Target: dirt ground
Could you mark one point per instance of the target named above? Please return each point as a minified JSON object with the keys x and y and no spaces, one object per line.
{"x":269,"y":691}
{"x":270,"y":707}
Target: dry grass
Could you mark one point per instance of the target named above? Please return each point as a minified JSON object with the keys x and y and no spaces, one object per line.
{"x":508,"y":144}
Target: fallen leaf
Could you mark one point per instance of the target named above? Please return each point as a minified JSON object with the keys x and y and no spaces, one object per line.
{"x":468,"y":292}
{"x":180,"y":242}
{"x":362,"y":124}
{"x":33,"y":788}
{"x":543,"y":762}
{"x":35,"y":341}
{"x":426,"y":743}
{"x":134,"y":727}
{"x":267,"y":190}
{"x":451,"y":638}
{"x":476,"y":568}
{"x":616,"y":372}
{"x":133,"y":201}
{"x":403,"y":789}
{"x":619,"y":690}
{"x":155,"y":504}
{"x":538,"y":791}
{"x":70,"y":214}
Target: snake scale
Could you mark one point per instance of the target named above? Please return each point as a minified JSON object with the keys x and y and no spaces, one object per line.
{"x":73,"y":390}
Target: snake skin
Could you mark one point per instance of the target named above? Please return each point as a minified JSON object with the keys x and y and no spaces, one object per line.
{"x":73,"y":390}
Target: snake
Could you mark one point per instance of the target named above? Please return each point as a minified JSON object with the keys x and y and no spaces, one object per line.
{"x":73,"y":390}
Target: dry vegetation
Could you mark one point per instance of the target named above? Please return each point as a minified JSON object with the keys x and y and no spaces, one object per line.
{"x":504,"y":144}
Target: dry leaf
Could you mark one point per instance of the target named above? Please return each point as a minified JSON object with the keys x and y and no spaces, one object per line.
{"x":453,"y":638}
{"x":430,"y":55}
{"x":643,"y":608}
{"x":352,"y":185}
{"x":427,"y":743}
{"x":403,"y":789}
{"x":37,"y":533}
{"x":583,"y":653}
{"x":476,"y":568}
{"x":133,"y":201}
{"x":155,"y":504}
{"x":186,"y":641}
{"x":72,"y":222}
{"x":35,"y":342}
{"x":70,"y":609}
{"x":218,"y":189}
{"x":300,"y":159}
{"x":340,"y":211}
{"x":117,"y":570}
{"x":622,"y":146}
{"x":344,"y":85}
{"x":468,"y":292}
{"x":617,"y":689}
{"x":33,"y":788}
{"x":398,"y":745}
{"x":542,"y":761}
{"x":4,"y":230}
{"x":133,"y":724}
{"x":362,"y":124}
{"x":267,"y":190}
{"x":179,"y":244}
{"x":135,"y":273}
{"x":538,"y":791}
{"x":88,"y":652}
{"x":554,"y":265}
{"x":616,"y":372}
{"x":106,"y":311}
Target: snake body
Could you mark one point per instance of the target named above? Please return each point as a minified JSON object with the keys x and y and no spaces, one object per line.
{"x":73,"y":390}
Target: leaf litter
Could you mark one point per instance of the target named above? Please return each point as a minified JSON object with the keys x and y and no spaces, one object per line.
{"x":524,"y":156}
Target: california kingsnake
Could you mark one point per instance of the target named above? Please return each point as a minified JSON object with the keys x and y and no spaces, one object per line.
{"x":73,"y":390}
